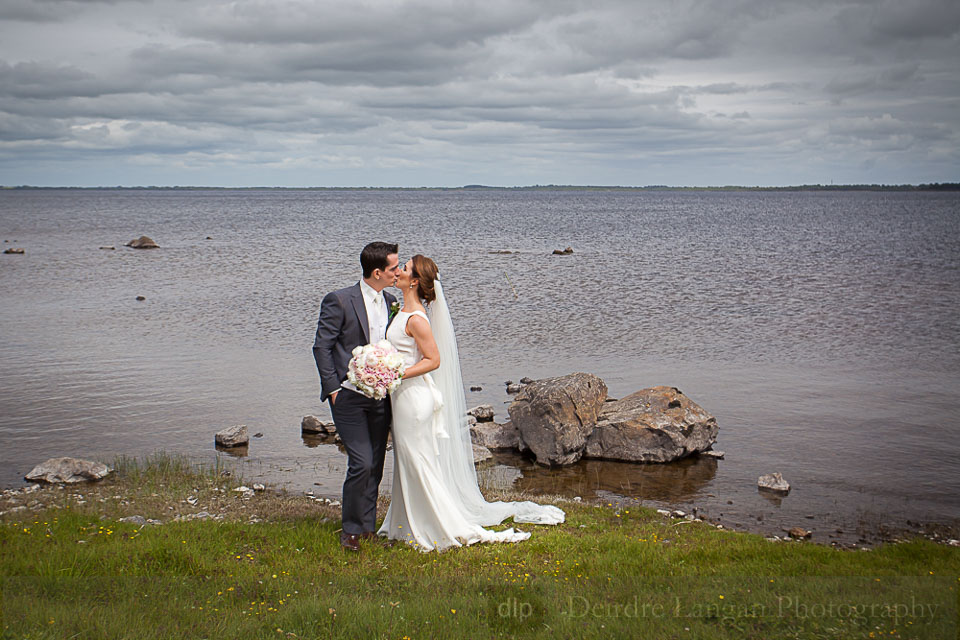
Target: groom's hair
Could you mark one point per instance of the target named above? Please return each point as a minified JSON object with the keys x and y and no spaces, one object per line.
{"x":374,"y":256}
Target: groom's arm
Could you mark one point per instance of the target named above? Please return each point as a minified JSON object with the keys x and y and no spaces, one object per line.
{"x":329,"y":327}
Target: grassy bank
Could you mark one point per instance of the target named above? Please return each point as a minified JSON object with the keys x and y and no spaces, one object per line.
{"x":268,"y":565}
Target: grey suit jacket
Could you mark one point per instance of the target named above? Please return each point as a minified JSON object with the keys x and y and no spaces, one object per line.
{"x":342,"y":327}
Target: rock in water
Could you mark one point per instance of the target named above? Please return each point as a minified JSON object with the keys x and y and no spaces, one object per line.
{"x":480,"y":454}
{"x":799,"y":533}
{"x":660,"y":424}
{"x":15,"y":251}
{"x":495,"y":436}
{"x":773,"y":482}
{"x":68,"y":470}
{"x":483,"y":413}
{"x":313,"y":424}
{"x":143,"y":242}
{"x":233,"y":436}
{"x":555,"y":415}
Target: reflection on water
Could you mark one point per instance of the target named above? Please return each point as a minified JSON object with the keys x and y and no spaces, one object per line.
{"x":314,"y":440}
{"x":239,"y":451}
{"x":681,"y":481}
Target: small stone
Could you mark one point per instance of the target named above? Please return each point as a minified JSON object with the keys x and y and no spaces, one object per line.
{"x":143,"y":242}
{"x":108,"y":248}
{"x":313,"y":424}
{"x":799,"y":533}
{"x":514,"y":388}
{"x":526,"y":380}
{"x":483,"y":413}
{"x":773,"y":482}
{"x":495,"y":436}
{"x":140,"y":298}
{"x":258,"y":434}
{"x":563,"y":252}
{"x":68,"y":471}
{"x":200,"y":515}
{"x":476,"y":388}
{"x":259,"y":487}
{"x":678,"y":514}
{"x":663,"y":512}
{"x":140,"y":520}
{"x":480,"y":454}
{"x":712,"y":454}
{"x":14,"y":251}
{"x":233,"y":436}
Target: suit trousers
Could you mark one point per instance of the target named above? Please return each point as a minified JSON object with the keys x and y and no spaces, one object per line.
{"x":363,"y":424}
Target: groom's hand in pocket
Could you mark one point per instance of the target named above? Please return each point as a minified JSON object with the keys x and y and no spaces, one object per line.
{"x":333,"y":397}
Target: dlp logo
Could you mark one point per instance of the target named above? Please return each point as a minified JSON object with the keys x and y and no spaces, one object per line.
{"x":514,"y":608}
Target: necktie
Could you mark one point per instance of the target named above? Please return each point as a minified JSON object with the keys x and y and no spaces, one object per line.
{"x":378,"y":299}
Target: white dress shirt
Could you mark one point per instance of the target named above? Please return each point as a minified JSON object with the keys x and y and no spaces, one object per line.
{"x":376,"y":312}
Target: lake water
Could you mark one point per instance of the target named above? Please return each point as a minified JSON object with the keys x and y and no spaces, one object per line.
{"x":822,"y":329}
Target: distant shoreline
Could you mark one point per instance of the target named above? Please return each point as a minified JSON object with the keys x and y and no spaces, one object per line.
{"x":944,"y":186}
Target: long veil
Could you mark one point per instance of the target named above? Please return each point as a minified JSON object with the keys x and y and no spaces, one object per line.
{"x":456,"y":451}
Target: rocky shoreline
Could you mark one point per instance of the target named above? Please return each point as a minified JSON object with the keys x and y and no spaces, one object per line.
{"x":556,"y":423}
{"x":229,"y":498}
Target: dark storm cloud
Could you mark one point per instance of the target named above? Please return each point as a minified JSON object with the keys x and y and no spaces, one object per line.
{"x":520,"y":91}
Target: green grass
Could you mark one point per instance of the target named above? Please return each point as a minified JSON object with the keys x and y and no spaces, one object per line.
{"x":271,"y":567}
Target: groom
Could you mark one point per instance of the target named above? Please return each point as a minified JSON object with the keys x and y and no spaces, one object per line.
{"x":349,"y":318}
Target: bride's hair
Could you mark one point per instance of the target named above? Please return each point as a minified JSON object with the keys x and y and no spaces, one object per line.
{"x":425,"y":270}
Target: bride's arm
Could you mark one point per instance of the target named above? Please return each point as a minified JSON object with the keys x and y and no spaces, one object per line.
{"x":419,"y":329}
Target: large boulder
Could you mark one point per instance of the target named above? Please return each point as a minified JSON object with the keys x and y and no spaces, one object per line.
{"x":68,"y":470}
{"x":493,"y":435}
{"x":652,"y":425}
{"x":555,"y":415}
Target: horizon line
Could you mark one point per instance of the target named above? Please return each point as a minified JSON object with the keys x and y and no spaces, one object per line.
{"x":817,"y":186}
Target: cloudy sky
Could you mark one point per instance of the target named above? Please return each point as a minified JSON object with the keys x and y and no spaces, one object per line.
{"x":497,"y":92}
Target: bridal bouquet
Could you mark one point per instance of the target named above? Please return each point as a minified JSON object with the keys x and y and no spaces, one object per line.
{"x":376,"y":369}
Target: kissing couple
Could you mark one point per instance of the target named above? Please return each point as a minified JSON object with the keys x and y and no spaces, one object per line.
{"x":435,"y":501}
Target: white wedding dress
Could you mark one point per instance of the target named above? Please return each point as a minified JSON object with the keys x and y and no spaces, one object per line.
{"x":436,"y":502}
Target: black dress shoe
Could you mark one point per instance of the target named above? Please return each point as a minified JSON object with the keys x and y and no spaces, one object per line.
{"x":349,"y":541}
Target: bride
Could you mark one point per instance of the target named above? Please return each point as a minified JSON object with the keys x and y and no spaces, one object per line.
{"x":436,"y":502}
